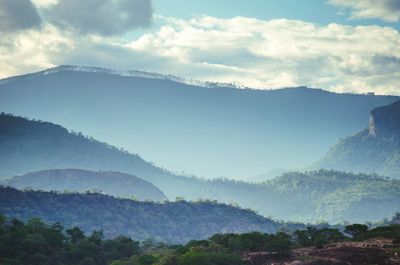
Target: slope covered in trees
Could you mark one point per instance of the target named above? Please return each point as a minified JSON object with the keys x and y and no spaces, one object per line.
{"x":169,"y":222}
{"x":77,"y":180}
{"x":210,"y":132}
{"x":376,"y":149}
{"x":334,"y":196}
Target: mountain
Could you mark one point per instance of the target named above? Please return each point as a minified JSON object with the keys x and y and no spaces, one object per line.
{"x":27,"y":145}
{"x":375,"y":149}
{"x":175,"y":222}
{"x":77,"y":180}
{"x":208,"y":130}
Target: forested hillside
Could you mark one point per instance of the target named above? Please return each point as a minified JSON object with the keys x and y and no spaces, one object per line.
{"x":169,"y":222}
{"x":77,"y":180}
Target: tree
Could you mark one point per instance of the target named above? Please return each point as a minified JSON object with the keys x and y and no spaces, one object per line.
{"x":356,"y":230}
{"x":75,"y":234}
{"x":96,"y":237}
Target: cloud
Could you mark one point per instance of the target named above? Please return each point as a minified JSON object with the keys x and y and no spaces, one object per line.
{"x":105,"y":17}
{"x":388,"y":10}
{"x":279,"y":53}
{"x":255,"y":53}
{"x":18,"y":15}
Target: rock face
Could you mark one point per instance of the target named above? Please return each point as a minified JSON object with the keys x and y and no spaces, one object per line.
{"x":385,"y":121}
{"x":374,"y":150}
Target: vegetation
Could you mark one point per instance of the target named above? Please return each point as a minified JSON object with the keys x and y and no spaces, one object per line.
{"x":37,"y":243}
{"x":174,"y":222}
{"x":334,"y":196}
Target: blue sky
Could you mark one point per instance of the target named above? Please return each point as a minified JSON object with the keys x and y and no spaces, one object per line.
{"x":337,"y":45}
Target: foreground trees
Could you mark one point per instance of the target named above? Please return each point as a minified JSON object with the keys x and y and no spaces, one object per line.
{"x":37,"y":243}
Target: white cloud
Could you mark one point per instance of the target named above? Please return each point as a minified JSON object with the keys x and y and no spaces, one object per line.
{"x":278,"y":53}
{"x":388,"y":10}
{"x":251,"y":52}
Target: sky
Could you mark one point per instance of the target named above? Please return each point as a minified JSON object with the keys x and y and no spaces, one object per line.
{"x":337,"y":45}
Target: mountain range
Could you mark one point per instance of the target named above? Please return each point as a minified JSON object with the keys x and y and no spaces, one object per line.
{"x":40,"y":147}
{"x":208,"y":130}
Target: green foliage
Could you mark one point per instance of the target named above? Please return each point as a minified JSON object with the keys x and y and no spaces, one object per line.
{"x":317,"y":237}
{"x":35,"y":242}
{"x":391,"y":231}
{"x":75,"y":234}
{"x":357,"y":231}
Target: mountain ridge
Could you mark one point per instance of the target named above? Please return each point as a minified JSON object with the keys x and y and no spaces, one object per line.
{"x":174,"y":222}
{"x":234,"y":133}
{"x":77,"y":180}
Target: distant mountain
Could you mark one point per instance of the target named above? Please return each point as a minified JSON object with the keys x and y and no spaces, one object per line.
{"x":175,"y":222}
{"x":77,"y":180}
{"x":27,"y":146}
{"x":376,"y":149}
{"x":210,"y":131}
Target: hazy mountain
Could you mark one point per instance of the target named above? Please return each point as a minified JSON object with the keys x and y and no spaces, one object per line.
{"x":77,"y":180}
{"x":207,"y":131}
{"x":27,"y":146}
{"x":323,"y":195}
{"x":375,"y":149}
{"x":170,"y":222}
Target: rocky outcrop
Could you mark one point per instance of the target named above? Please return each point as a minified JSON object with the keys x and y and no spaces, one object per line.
{"x":385,"y":121}
{"x":374,"y":150}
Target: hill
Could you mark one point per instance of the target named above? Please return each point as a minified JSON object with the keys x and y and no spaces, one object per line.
{"x":28,"y":145}
{"x":333,"y":196}
{"x":169,"y":222}
{"x":215,"y":131}
{"x":77,"y":180}
{"x":375,"y":149}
